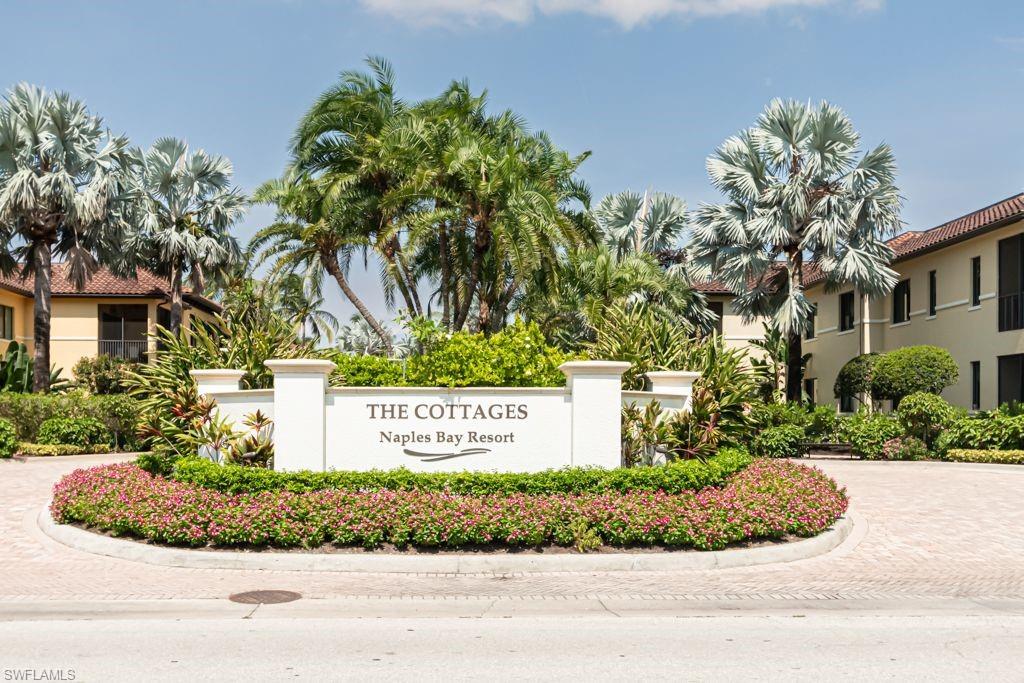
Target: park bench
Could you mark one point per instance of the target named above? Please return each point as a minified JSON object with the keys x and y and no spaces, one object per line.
{"x":837,"y":447}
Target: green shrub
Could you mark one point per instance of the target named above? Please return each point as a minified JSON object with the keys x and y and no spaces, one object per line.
{"x":764,"y":415}
{"x":823,"y":423}
{"x":74,"y":431}
{"x":369,"y":371}
{"x":688,"y":475}
{"x":995,"y":430}
{"x":868,"y":432}
{"x":904,"y":448}
{"x":45,"y":449}
{"x":8,"y":439}
{"x":1015,"y":457}
{"x":910,"y":369}
{"x":103,"y":374}
{"x":27,"y":412}
{"x":924,"y":415}
{"x":855,"y":377}
{"x":782,"y":441}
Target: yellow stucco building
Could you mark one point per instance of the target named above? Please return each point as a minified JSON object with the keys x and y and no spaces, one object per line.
{"x":961,"y":287}
{"x":111,"y":315}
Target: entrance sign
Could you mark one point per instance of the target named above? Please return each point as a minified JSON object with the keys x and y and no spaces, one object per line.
{"x":431,"y":429}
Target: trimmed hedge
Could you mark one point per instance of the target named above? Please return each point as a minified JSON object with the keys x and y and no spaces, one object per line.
{"x":782,"y":441}
{"x":28,"y":448}
{"x":27,"y":412}
{"x":768,"y":499}
{"x":685,"y":475}
{"x":74,"y":431}
{"x":998,"y":457}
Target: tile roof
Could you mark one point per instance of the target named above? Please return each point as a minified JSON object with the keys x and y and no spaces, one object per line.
{"x":913,"y":243}
{"x":102,"y":283}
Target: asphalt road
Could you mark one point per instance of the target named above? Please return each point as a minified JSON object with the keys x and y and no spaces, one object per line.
{"x":792,"y":648}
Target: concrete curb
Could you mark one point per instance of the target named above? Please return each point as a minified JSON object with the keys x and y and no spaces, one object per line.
{"x":453,"y":563}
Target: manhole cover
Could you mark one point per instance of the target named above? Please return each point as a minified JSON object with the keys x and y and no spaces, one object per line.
{"x":264,"y":597}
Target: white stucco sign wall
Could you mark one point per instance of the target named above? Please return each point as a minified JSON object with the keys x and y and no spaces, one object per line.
{"x":435,"y":429}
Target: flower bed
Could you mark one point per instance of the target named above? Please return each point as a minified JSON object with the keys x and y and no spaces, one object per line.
{"x":767,"y":500}
{"x":685,"y":475}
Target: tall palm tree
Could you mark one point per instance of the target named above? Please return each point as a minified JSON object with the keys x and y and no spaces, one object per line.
{"x":301,"y":302}
{"x":651,"y":223}
{"x":312,"y":235}
{"x":796,"y":190}
{"x":65,"y":192}
{"x":187,"y":208}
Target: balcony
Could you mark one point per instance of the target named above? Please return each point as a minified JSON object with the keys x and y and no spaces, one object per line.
{"x":1011,"y":312}
{"x":129,"y":349}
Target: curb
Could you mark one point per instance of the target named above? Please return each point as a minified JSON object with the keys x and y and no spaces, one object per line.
{"x":453,"y":563}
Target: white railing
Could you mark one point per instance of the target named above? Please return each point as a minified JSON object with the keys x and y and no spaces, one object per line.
{"x":129,"y":349}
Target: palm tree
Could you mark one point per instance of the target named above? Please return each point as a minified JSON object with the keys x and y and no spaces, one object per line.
{"x":187,"y":208}
{"x":301,"y":302}
{"x":797,"y":191}
{"x":631,"y":223}
{"x":312,"y":236}
{"x":65,"y":191}
{"x":359,"y":339}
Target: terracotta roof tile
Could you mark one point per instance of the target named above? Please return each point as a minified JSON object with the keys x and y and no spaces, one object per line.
{"x":102,"y":283}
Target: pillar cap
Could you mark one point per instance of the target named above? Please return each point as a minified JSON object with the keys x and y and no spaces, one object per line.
{"x":672,"y":375}
{"x":217,"y":373}
{"x":594,"y":367}
{"x":309,"y":366}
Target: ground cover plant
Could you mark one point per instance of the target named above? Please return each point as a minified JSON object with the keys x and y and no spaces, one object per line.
{"x":686,"y":475}
{"x":767,"y":500}
{"x":1012,"y":457}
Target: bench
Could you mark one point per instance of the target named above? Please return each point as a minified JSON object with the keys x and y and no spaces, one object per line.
{"x":837,"y":447}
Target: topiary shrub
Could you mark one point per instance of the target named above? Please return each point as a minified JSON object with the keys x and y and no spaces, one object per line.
{"x":8,"y":439}
{"x":904,"y":371}
{"x":782,"y":441}
{"x":868,"y":432}
{"x":74,"y":431}
{"x":923,"y":415}
{"x":854,"y":378}
{"x":904,"y":448}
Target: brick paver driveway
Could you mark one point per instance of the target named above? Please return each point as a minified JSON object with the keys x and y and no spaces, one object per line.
{"x":933,"y":530}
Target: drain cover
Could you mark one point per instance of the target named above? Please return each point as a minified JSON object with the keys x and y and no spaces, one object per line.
{"x":271,"y":597}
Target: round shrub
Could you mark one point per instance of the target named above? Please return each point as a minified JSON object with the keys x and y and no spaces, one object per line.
{"x":854,"y":378}
{"x":867,"y":433}
{"x":910,"y":369}
{"x":904,"y":448}
{"x":923,"y":415}
{"x":782,"y":441}
{"x":8,"y":439}
{"x":74,"y":431}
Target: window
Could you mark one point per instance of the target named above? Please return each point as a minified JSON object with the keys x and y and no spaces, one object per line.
{"x":975,"y":385}
{"x":6,"y":322}
{"x":846,"y":403}
{"x":810,"y":385}
{"x":932,"y":292}
{"x":1011,"y":284}
{"x":811,"y":321}
{"x":846,"y":311}
{"x":1011,"y":379}
{"x":901,"y":302}
{"x":718,"y":308}
{"x":976,"y":281}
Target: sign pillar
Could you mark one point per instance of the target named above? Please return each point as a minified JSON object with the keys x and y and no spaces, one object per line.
{"x":675,"y":383}
{"x":211,"y":382}
{"x":595,"y":390}
{"x":300,"y":399}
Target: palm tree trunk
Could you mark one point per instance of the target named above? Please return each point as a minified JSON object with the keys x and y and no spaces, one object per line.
{"x":442,"y":242}
{"x":481,"y":243}
{"x":177,"y":307}
{"x":794,"y":356}
{"x":330,"y":261}
{"x":41,"y":317}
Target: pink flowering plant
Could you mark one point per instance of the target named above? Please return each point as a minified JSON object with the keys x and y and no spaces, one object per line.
{"x":767,"y":500}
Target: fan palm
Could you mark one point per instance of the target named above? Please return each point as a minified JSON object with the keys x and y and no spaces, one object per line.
{"x":187,"y":208}
{"x":65,"y":191}
{"x":300,"y":301}
{"x":796,"y":190}
{"x":649,"y":224}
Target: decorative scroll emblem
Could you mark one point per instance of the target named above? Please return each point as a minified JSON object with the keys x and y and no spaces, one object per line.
{"x":434,"y":457}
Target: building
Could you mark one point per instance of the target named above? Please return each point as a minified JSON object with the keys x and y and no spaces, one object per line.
{"x":111,"y":315}
{"x":961,"y":287}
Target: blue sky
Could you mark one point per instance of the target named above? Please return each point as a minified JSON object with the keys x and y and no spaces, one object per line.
{"x":649,"y":86}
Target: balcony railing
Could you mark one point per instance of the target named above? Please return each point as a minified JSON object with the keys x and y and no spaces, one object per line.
{"x":1011,"y":312}
{"x":129,"y":349}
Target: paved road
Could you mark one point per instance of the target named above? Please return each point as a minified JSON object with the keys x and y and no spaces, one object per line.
{"x":646,"y":648}
{"x":934,"y":531}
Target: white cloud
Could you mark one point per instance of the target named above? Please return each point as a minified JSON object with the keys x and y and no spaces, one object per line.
{"x":626,"y":13}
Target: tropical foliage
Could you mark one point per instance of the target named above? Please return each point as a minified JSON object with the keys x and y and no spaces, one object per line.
{"x":796,"y":189}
